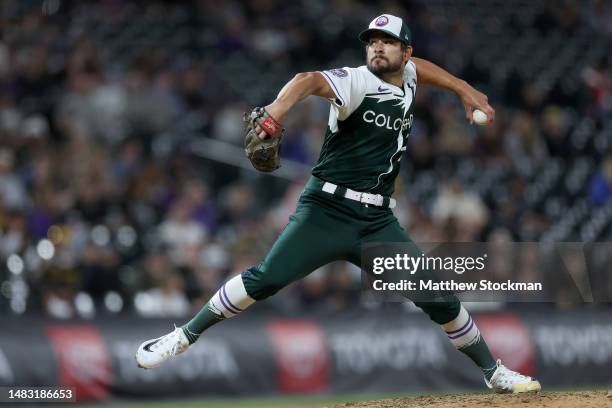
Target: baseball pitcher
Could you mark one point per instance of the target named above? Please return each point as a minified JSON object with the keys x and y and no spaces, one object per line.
{"x":347,"y":201}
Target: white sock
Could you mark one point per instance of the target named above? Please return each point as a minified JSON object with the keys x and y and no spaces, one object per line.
{"x":462,"y":330}
{"x":231,"y":298}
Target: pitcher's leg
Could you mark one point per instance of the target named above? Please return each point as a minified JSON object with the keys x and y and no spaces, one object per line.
{"x":310,"y":240}
{"x":313,"y":237}
{"x":446,"y":310}
{"x":304,"y":245}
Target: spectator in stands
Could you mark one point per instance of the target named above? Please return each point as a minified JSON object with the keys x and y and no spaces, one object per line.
{"x":12,"y":189}
{"x":181,"y":233}
{"x":600,"y":191}
{"x":522,"y":141}
{"x":167,"y":299}
{"x":554,"y":123}
{"x":465,"y":209}
{"x":599,"y":80}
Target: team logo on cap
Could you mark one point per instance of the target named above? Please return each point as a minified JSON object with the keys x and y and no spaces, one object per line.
{"x":381,"y":21}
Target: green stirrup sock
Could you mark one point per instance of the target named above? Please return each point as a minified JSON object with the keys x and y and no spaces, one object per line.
{"x":200,"y":322}
{"x":481,"y":355}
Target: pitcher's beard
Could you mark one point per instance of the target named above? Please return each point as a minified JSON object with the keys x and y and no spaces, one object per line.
{"x":381,"y":69}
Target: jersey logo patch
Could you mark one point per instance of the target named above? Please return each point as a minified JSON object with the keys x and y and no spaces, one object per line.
{"x":382,"y":88}
{"x":339,"y":72}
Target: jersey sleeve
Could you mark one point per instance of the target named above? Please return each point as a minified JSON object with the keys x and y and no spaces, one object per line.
{"x":349,"y":87}
{"x":410,"y":73}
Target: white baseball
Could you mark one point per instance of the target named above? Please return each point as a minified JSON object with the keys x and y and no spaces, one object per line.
{"x":480,"y":118}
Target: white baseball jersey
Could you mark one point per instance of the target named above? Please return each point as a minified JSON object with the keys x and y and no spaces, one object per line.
{"x":369,"y":123}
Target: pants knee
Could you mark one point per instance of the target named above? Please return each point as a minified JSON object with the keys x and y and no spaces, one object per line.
{"x":261,"y":284}
{"x":442,"y":311}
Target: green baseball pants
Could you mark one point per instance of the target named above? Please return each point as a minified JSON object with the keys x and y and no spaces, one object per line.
{"x":327,"y":228}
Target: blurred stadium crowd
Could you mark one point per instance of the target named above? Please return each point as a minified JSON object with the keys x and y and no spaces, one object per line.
{"x":105,"y":207}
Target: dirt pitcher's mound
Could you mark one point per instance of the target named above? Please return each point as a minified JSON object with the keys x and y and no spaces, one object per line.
{"x":594,"y":399}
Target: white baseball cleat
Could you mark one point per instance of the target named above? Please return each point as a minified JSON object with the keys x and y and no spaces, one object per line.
{"x":506,"y":381}
{"x":153,"y":352}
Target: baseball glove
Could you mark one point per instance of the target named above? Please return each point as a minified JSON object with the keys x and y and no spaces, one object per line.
{"x":263,"y":154}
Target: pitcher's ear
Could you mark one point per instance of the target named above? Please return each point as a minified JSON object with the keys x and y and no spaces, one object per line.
{"x":407,"y":52}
